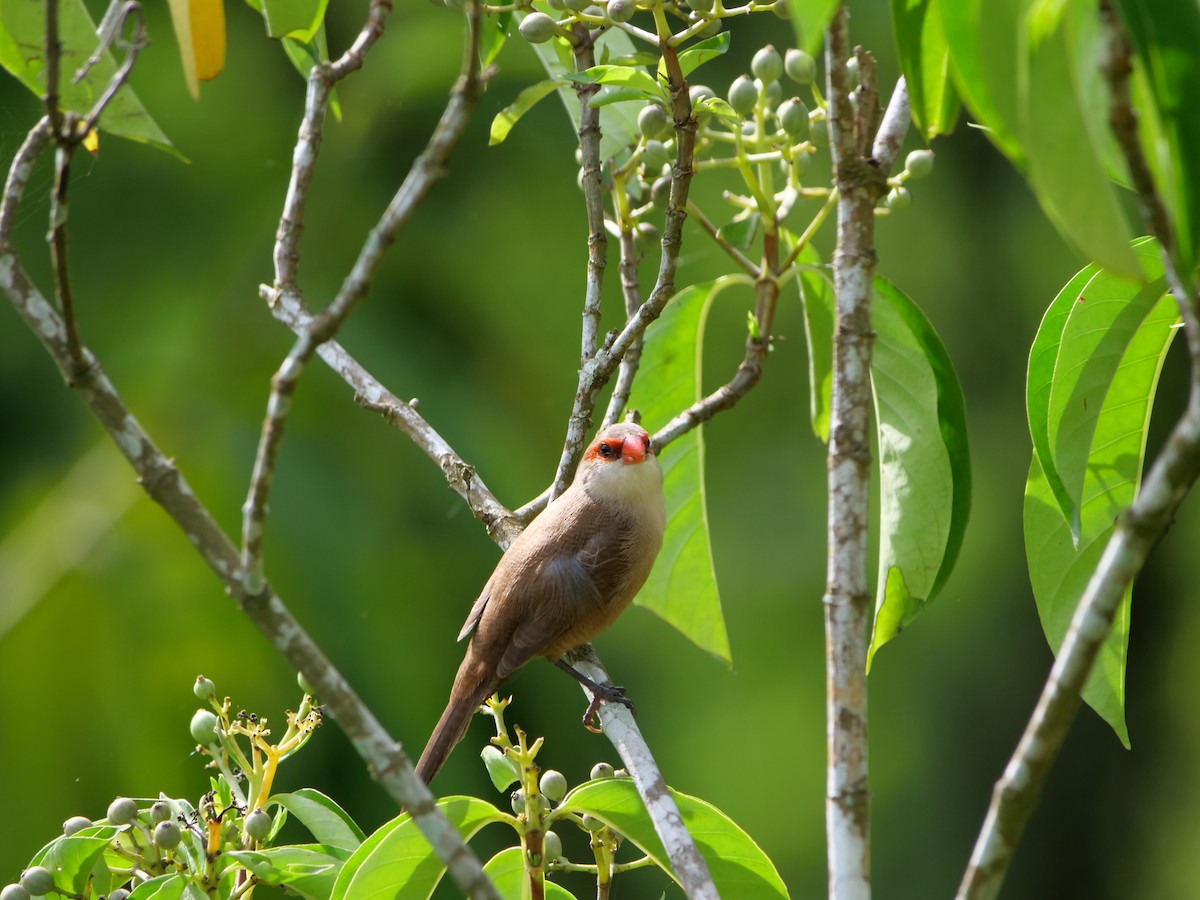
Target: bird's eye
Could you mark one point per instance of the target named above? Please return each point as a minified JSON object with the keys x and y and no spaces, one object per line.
{"x":607,"y":451}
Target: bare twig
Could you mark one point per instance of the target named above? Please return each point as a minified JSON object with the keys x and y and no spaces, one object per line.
{"x":1138,"y":529}
{"x":428,"y":169}
{"x":860,"y":182}
{"x":53,"y":60}
{"x":631,"y":291}
{"x":731,"y":251}
{"x":593,"y":196}
{"x":619,"y":727}
{"x":133,"y":46}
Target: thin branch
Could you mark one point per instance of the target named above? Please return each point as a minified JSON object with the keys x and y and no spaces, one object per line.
{"x":52,"y":54}
{"x":620,"y":728}
{"x":132,"y":46}
{"x":593,"y":196}
{"x":58,"y":254}
{"x":595,"y":373}
{"x":731,"y":251}
{"x":1138,"y":529}
{"x":860,"y":183}
{"x":427,"y":170}
{"x":631,"y":291}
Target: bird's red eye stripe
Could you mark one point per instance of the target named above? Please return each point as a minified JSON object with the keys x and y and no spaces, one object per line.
{"x":605,"y":450}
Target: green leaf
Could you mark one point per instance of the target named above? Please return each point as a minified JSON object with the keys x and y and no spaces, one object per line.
{"x":924,"y":464}
{"x":698,"y":54}
{"x":493,"y":35}
{"x":1064,"y":127}
{"x":507,"y":871}
{"x":738,"y":865}
{"x":298,"y":19}
{"x":1060,"y":566}
{"x":810,"y":18}
{"x":741,"y":229}
{"x":682,"y":587}
{"x":398,"y":862}
{"x":618,"y":121}
{"x":1103,"y":319}
{"x":511,"y":114}
{"x":620,"y":76}
{"x":71,"y":859}
{"x":500,"y":768}
{"x":306,"y":869}
{"x":306,"y":54}
{"x":325,"y":820}
{"x":1165,"y":36}
{"x":925,"y":61}
{"x":22,"y":24}
{"x":982,"y":37}
{"x":816,"y":293}
{"x":164,"y":887}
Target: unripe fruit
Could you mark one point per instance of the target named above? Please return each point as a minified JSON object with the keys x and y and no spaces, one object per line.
{"x":37,"y":880}
{"x":537,"y":28}
{"x":592,"y":824}
{"x":700,"y":92}
{"x":772,"y":92}
{"x":118,"y":894}
{"x":801,"y":163}
{"x":767,"y":64}
{"x":556,"y":4}
{"x":800,"y":66}
{"x":919,"y":163}
{"x":517,"y":800}
{"x":743,"y":94}
{"x":74,"y":824}
{"x":14,"y":892}
{"x":160,"y":812}
{"x":203,"y":688}
{"x":898,"y":198}
{"x":552,"y":846}
{"x":602,"y":770}
{"x":122,"y":811}
{"x":167,"y":835}
{"x":305,"y":685}
{"x":782,"y":9}
{"x":701,"y":6}
{"x":619,"y":10}
{"x":577,"y":5}
{"x":653,"y":122}
{"x":655,"y":156}
{"x":258,"y":824}
{"x":818,"y":127}
{"x":204,"y":727}
{"x":793,"y":117}
{"x":553,"y":784}
{"x":660,"y":191}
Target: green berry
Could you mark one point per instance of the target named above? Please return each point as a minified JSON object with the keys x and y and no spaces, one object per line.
{"x":800,"y":66}
{"x":592,"y":824}
{"x":305,"y":685}
{"x":204,"y":727}
{"x":203,"y":688}
{"x":14,"y":892}
{"x":601,"y":770}
{"x":801,"y":163}
{"x":743,"y":94}
{"x":700,"y":93}
{"x":259,"y":824}
{"x":537,"y":28}
{"x":619,"y":10}
{"x":818,"y":128}
{"x":782,"y":9}
{"x":577,"y":5}
{"x":919,"y":163}
{"x":517,"y":801}
{"x":37,"y":880}
{"x":772,"y":92}
{"x":660,"y":191}
{"x":552,"y":846}
{"x":167,"y":835}
{"x":122,"y":811}
{"x":655,"y":156}
{"x":712,"y":29}
{"x":793,"y":118}
{"x":74,"y":824}
{"x":160,"y":812}
{"x":553,"y":784}
{"x":767,"y":64}
{"x":556,"y":5}
{"x":704,"y":7}
{"x":653,"y":122}
{"x":118,"y":894}
{"x":898,"y":198}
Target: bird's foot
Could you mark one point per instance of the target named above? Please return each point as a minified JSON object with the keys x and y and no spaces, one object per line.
{"x":606,"y":693}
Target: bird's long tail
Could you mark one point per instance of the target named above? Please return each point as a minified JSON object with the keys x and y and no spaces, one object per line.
{"x":464,"y":700}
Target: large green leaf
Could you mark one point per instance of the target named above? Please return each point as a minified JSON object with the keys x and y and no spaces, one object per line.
{"x":70,"y":859}
{"x":396,"y":861}
{"x":507,"y":871}
{"x":325,"y":820}
{"x":1101,"y":320}
{"x":306,"y":869}
{"x":1060,"y":561}
{"x":924,"y":464}
{"x":508,"y":117}
{"x":925,"y":61}
{"x":682,"y":588}
{"x":1166,"y":36}
{"x":738,"y":865}
{"x":22,"y":28}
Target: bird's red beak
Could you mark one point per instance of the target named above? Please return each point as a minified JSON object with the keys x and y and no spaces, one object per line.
{"x":635,"y":448}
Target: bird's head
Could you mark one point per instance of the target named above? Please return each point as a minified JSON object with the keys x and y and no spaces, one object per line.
{"x":620,"y":465}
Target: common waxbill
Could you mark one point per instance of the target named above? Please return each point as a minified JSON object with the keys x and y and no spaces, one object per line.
{"x":563,"y":580}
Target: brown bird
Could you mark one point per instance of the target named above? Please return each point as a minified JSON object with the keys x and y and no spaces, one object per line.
{"x":563,"y":580}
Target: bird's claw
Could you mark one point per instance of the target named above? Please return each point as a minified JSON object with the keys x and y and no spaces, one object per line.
{"x":606,"y":693}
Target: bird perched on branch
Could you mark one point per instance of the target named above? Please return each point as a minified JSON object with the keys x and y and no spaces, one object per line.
{"x":562,"y":581}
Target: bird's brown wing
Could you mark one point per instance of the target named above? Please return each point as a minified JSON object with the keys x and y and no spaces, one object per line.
{"x":477,"y":609}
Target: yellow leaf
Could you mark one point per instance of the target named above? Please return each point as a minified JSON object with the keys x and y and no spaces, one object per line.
{"x":200,"y":30}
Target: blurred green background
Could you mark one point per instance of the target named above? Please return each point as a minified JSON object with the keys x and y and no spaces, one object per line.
{"x":106,"y":614}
